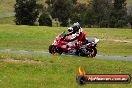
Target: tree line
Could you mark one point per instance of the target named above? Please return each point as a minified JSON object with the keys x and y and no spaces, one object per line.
{"x":94,"y":13}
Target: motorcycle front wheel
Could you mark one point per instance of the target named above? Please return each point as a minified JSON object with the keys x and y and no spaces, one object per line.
{"x":53,"y":50}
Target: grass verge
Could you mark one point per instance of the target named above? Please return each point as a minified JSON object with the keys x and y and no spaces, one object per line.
{"x":7,"y":20}
{"x":56,"y":71}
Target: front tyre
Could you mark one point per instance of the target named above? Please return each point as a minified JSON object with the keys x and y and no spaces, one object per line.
{"x":52,"y":49}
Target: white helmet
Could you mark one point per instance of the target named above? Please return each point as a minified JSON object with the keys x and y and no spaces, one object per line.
{"x":76,"y":26}
{"x":70,"y":29}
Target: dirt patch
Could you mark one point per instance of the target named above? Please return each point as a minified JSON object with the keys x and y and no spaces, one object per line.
{"x":11,"y":60}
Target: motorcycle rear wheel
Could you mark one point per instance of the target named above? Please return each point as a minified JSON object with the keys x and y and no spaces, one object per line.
{"x":93,"y":53}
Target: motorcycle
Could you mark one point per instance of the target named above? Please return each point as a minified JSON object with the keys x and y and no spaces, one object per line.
{"x":87,"y":50}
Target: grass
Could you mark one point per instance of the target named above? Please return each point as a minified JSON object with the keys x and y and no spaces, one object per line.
{"x":56,"y":71}
{"x":7,"y":6}
{"x":7,"y":20}
{"x":37,"y":38}
{"x":47,"y":71}
{"x":129,"y":1}
{"x":115,"y":48}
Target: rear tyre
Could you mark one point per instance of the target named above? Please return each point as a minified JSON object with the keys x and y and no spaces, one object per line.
{"x":80,"y":53}
{"x":93,"y":52}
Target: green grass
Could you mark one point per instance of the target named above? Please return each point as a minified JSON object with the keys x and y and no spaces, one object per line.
{"x":56,"y":71}
{"x":48,"y":71}
{"x":37,"y":38}
{"x":7,"y":20}
{"x":7,"y":6}
{"x":129,"y":1}
{"x":114,"y":48}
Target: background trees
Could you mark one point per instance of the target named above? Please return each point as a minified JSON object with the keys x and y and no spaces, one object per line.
{"x":26,"y":12}
{"x":119,"y":14}
{"x":45,"y":20}
{"x":89,"y":19}
{"x":102,"y":9}
{"x":130,"y":15}
{"x":78,"y":12}
{"x":61,"y":9}
{"x":95,"y":13}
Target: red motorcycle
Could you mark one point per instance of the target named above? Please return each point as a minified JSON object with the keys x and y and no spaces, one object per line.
{"x":88,"y":50}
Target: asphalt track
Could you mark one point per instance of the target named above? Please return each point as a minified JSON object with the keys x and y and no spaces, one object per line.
{"x":46,"y":53}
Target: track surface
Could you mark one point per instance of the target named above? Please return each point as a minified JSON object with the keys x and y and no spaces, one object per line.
{"x":46,"y":53}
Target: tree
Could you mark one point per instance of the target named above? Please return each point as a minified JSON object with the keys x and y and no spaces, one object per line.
{"x":130,"y":15}
{"x":75,"y":17}
{"x":26,"y":12}
{"x":78,"y":12}
{"x":61,"y":9}
{"x":45,"y":20}
{"x":89,"y":18}
{"x":119,"y":14}
{"x":130,"y":20}
{"x":102,"y":9}
{"x":49,"y":2}
{"x":74,"y":1}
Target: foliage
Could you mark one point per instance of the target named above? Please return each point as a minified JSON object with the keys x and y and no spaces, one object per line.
{"x":45,"y":20}
{"x":75,"y":17}
{"x":102,"y":9}
{"x":49,"y":2}
{"x":78,"y":12}
{"x":118,"y":14}
{"x":62,"y":10}
{"x":26,"y":12}
{"x":89,"y":18}
{"x":90,"y":13}
{"x":130,"y":20}
{"x":130,"y":15}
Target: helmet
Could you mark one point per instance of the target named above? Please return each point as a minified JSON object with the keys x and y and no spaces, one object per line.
{"x":76,"y":26}
{"x":70,"y":29}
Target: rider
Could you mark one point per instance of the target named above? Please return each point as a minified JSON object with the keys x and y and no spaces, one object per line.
{"x":78,"y":34}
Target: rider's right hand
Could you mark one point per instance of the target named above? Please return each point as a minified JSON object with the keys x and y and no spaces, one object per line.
{"x":65,"y":35}
{"x":62,"y":39}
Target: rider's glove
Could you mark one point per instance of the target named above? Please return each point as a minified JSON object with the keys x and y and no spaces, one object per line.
{"x":65,"y":35}
{"x":79,"y":43}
